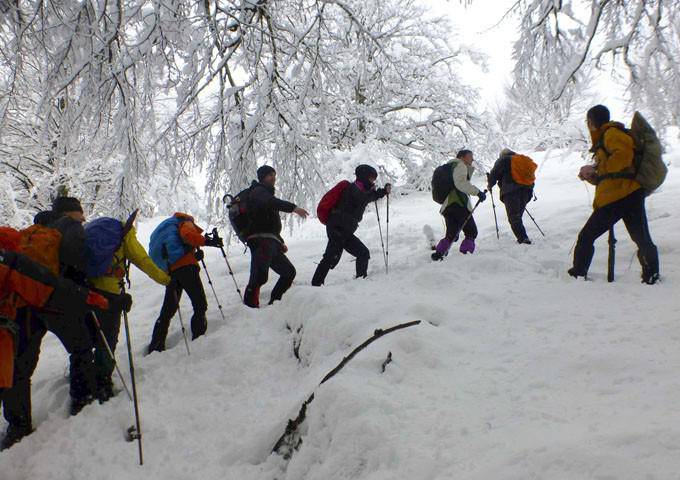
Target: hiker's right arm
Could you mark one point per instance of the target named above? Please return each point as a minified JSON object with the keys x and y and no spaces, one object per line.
{"x":461,"y":181}
{"x":135,"y":252}
{"x":496,"y":173}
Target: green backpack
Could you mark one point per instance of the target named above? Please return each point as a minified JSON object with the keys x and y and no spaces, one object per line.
{"x":650,"y":171}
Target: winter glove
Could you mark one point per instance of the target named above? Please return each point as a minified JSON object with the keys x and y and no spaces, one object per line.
{"x":122,"y":302}
{"x":213,"y":241}
{"x":199,"y":255}
{"x":388,"y":188}
{"x":96,"y":300}
{"x":482,"y":196}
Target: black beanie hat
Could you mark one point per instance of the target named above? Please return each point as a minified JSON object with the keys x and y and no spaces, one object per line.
{"x":66,"y":204}
{"x":263,"y":171}
{"x":364,"y":172}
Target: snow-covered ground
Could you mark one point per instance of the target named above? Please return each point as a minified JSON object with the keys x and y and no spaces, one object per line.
{"x":517,"y":371}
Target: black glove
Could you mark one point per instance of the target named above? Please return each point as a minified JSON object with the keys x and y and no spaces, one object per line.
{"x":199,"y":255}
{"x":482,"y":196}
{"x":213,"y":241}
{"x":122,"y":302}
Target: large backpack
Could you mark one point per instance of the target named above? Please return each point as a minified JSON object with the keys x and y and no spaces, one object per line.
{"x":165,"y":245}
{"x":103,"y":237}
{"x":239,"y":213}
{"x":41,"y":244}
{"x":330,"y":200}
{"x":523,"y":170}
{"x":442,"y":182}
{"x":649,"y":169}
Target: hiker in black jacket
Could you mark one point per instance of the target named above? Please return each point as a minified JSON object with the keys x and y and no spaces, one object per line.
{"x":344,"y":221}
{"x":267,"y":248}
{"x":515,"y":196}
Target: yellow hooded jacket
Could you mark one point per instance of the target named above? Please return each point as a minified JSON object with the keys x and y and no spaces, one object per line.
{"x":132,"y":250}
{"x":614,"y":152}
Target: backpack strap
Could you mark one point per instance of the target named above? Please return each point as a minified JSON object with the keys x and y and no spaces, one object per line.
{"x":626,"y":173}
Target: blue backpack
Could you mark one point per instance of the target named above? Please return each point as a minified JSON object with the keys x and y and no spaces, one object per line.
{"x":103,"y":237}
{"x":166,"y":246}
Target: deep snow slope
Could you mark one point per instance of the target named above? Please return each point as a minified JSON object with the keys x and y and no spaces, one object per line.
{"x":517,"y":371}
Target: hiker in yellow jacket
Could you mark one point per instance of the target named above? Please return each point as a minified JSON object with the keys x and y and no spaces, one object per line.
{"x":110,"y":285}
{"x":617,"y":196}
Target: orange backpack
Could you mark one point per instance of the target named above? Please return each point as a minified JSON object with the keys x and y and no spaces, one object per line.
{"x":523,"y":170}
{"x":41,"y":244}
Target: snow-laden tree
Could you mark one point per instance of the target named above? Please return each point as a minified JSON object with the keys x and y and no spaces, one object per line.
{"x":110,"y":99}
{"x":559,"y":40}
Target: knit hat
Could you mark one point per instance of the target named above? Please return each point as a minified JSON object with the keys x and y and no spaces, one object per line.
{"x":506,"y":152}
{"x":263,"y":171}
{"x":364,"y":172}
{"x":66,"y":204}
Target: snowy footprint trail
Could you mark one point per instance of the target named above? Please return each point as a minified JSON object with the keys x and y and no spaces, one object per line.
{"x":516,"y":371}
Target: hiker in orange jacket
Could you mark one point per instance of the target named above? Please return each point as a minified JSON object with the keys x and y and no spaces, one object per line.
{"x":25,"y":283}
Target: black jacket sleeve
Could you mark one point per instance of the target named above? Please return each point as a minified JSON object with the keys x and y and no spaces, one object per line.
{"x":72,"y":249}
{"x":280,"y":205}
{"x":498,"y":171}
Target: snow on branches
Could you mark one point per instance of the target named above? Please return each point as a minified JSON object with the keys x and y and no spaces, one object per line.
{"x":560,"y":41}
{"x":118,"y":101}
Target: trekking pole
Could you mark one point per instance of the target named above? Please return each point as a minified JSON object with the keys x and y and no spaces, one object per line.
{"x":205,"y":269}
{"x":387,"y":237}
{"x":231,"y":272}
{"x":381,"y":235}
{"x":181,"y":323}
{"x":495,"y":218}
{"x":612,"y":255}
{"x":134,"y":433}
{"x":532,"y":219}
{"x":108,"y":349}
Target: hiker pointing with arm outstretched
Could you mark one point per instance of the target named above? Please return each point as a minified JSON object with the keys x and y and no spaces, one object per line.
{"x":267,"y":247}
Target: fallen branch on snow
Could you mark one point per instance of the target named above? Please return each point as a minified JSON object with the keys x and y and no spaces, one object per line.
{"x":291,"y":440}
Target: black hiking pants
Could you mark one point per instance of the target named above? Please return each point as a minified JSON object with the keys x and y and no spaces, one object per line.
{"x":340,"y":239}
{"x":74,"y":335}
{"x":632,"y":210}
{"x":454,"y":216}
{"x":266,"y":253}
{"x":515,"y":205}
{"x":186,"y":279}
{"x":109,"y":321}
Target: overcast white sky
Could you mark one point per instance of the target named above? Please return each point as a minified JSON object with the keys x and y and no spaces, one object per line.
{"x":478,"y":25}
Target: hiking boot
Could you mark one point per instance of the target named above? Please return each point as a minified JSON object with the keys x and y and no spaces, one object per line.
{"x":575,"y":273}
{"x":14,"y":434}
{"x":251,"y":298}
{"x":650,"y":279}
{"x":105,"y":392}
{"x":77,"y":404}
{"x":437,"y":257}
{"x":155,"y":346}
{"x":524,"y":241}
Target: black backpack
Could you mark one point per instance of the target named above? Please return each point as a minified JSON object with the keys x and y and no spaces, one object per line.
{"x":442,"y":182}
{"x":239,"y":215}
